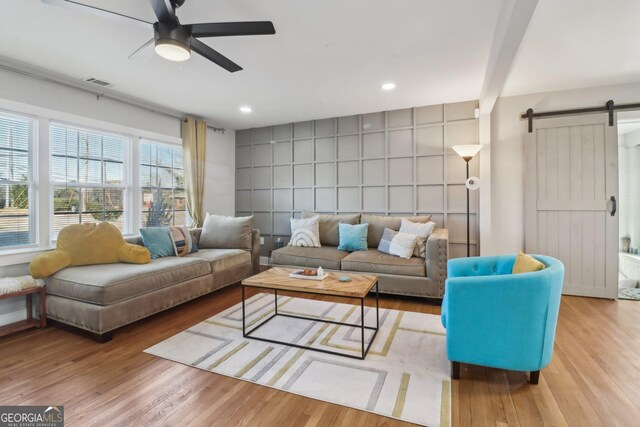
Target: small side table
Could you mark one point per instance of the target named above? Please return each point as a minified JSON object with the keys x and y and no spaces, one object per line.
{"x":29,"y":322}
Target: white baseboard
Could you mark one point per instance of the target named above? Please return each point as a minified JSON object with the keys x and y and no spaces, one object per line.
{"x":12,"y":317}
{"x":265,"y":260}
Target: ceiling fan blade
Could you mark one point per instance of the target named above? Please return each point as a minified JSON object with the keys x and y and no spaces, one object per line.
{"x":213,"y":56}
{"x":144,"y":52}
{"x":222,"y":29}
{"x":164,"y":11}
{"x":69,"y":4}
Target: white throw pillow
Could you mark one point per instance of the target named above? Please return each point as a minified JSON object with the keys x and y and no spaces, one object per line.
{"x":421,"y":231}
{"x":402,"y":245}
{"x":305,"y":232}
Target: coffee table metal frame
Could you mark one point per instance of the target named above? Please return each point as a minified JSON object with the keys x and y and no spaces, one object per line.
{"x":362,"y":326}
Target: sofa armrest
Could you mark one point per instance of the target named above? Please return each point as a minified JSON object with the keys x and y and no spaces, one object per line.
{"x":255,"y":250}
{"x":437,"y":256}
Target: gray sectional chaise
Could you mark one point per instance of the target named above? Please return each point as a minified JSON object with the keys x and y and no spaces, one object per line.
{"x":102,"y":298}
{"x":413,"y":277}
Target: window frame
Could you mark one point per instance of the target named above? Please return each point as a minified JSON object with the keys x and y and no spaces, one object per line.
{"x":125,"y":186}
{"x":31,"y":183}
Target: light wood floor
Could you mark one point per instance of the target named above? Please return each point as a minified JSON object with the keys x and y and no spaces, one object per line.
{"x":594,"y":378}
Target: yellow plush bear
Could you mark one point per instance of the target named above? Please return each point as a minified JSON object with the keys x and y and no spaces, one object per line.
{"x":86,"y":244}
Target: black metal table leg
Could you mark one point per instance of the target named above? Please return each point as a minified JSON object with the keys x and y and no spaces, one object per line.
{"x":362,"y":325}
{"x":377,"y":309}
{"x":244,"y":334}
{"x":276,"y":302}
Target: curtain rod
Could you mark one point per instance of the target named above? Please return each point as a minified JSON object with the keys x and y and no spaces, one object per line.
{"x":98,"y":95}
{"x":609,"y":107}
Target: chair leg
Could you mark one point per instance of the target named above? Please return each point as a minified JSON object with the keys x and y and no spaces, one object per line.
{"x":455,"y":370}
{"x":534,"y":376}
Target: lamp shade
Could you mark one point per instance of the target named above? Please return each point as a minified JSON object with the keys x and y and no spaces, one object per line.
{"x":467,"y":151}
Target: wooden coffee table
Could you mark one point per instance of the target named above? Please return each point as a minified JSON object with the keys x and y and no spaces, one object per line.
{"x":277,"y":279}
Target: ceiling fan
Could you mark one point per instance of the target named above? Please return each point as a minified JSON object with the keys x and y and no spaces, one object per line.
{"x":175,"y":41}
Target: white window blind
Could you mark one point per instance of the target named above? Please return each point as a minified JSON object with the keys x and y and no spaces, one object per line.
{"x":17,"y":212}
{"x":87,"y":176}
{"x":162,"y":184}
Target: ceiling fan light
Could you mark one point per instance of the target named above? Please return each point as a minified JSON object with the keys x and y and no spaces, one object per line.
{"x":173,"y":42}
{"x":172,"y":50}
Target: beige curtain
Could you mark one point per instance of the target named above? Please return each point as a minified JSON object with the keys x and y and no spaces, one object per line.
{"x":194,"y":144}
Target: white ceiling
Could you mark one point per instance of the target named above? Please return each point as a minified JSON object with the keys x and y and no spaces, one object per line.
{"x":576,"y":44}
{"x":327,"y":59}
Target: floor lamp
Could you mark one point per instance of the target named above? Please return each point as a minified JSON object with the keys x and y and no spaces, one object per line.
{"x":467,"y":152}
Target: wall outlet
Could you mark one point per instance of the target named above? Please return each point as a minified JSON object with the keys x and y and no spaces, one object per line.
{"x":262,"y":240}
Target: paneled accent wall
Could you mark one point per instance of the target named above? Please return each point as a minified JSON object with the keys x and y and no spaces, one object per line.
{"x":389,"y":163}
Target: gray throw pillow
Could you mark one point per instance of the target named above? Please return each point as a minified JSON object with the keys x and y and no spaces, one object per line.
{"x":226,"y":232}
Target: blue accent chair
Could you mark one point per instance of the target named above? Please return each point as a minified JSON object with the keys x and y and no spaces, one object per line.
{"x":498,"y":319}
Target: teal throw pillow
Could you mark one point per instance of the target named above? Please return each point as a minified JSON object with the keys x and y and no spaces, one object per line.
{"x":353,"y":237}
{"x":158,"y":241}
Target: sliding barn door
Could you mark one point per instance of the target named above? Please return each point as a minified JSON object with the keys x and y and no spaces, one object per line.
{"x":571,"y":175}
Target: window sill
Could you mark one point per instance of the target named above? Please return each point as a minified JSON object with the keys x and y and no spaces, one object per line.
{"x":22,"y":255}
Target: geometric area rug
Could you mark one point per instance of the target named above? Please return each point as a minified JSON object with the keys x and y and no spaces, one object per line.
{"x":406,"y":374}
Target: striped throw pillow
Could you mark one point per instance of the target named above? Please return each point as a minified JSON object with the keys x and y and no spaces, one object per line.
{"x":183,"y":244}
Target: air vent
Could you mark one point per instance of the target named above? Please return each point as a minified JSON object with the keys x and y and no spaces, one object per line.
{"x":98,"y":82}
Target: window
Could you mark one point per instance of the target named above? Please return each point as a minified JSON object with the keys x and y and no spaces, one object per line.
{"x":87,"y":177}
{"x":17,"y":213}
{"x":162,"y":184}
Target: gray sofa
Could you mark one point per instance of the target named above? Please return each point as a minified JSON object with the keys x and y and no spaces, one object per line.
{"x":102,"y":298}
{"x":423,"y":277}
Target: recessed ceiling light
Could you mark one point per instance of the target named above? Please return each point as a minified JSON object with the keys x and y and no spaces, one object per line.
{"x":246,"y":109}
{"x":388,"y":86}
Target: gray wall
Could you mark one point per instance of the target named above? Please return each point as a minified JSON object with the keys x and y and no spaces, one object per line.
{"x":391,"y":163}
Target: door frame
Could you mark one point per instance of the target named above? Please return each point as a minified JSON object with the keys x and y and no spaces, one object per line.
{"x":612,"y":229}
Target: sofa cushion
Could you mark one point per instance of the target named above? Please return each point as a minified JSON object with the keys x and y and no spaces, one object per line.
{"x":111,"y":283}
{"x":326,"y":257}
{"x":329,"y":233}
{"x":378,"y":223}
{"x":226,"y":232}
{"x":222,"y":259}
{"x":374,"y":261}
